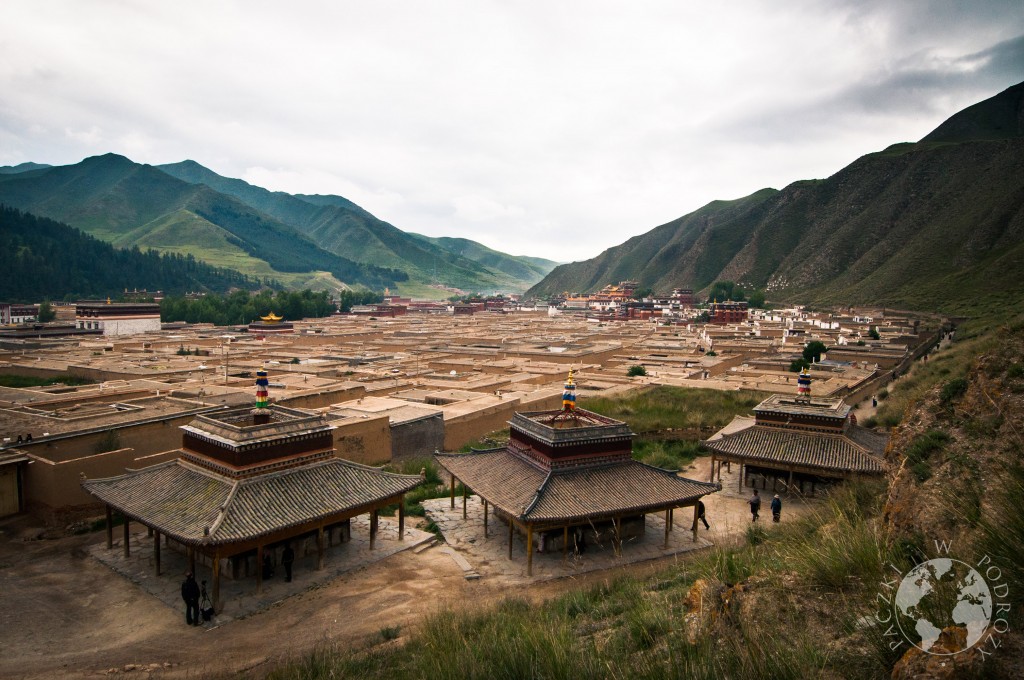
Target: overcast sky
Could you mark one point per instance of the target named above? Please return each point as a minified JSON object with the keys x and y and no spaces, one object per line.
{"x":554,"y":129}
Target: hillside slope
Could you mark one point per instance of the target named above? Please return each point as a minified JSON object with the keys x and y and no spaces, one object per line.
{"x":114,"y":199}
{"x":925,"y":224}
{"x":342,"y":227}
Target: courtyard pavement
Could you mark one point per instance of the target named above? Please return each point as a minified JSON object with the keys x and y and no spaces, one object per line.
{"x":239,"y":598}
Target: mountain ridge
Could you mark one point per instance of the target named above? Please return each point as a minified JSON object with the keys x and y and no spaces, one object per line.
{"x":883,"y":229}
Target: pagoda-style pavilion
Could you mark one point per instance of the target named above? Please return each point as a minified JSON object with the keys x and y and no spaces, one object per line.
{"x":570,"y":473}
{"x":271,"y":324}
{"x":798,"y":441}
{"x":249,"y":480}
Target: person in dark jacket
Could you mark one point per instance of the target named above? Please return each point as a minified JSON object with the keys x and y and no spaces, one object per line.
{"x":700,"y":516}
{"x":755,"y":506}
{"x":776,"y":508}
{"x":287,"y":559}
{"x":190,"y":593}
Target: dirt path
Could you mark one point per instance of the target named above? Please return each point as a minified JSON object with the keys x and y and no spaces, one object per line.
{"x":64,"y":614}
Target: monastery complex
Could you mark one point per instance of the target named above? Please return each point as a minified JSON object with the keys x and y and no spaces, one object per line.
{"x":391,"y":387}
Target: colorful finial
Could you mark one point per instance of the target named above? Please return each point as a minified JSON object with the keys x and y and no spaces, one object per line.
{"x":569,"y":395}
{"x":261,"y":388}
{"x":803,"y":385}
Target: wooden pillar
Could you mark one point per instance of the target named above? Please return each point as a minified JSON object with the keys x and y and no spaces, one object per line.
{"x":511,"y":528}
{"x":671,"y":519}
{"x":739,"y":486}
{"x":320,"y":547}
{"x":712,"y":468}
{"x":401,"y":518}
{"x":694,"y":522}
{"x":529,"y":550}
{"x":565,"y":542}
{"x":373,"y":528}
{"x":127,"y":548}
{"x":668,"y":523}
{"x":156,"y":552}
{"x":259,"y":568}
{"x":617,"y":539}
{"x":789,"y":484}
{"x":453,"y":492}
{"x":465,"y":494}
{"x":485,"y":517}
{"x":216,"y":582}
{"x":110,"y":528}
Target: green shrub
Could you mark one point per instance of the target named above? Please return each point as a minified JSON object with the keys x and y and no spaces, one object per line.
{"x":953,"y":389}
{"x":636,"y":370}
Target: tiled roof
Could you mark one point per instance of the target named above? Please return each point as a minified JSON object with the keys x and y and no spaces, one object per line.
{"x":537,"y":496}
{"x":183,"y":501}
{"x":780,"y":446}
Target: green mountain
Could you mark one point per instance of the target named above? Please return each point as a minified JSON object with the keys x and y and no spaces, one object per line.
{"x":926,"y":225}
{"x":530,"y":269}
{"x":342,"y":227}
{"x":47,"y":259}
{"x":128,"y":204}
{"x":22,"y":167}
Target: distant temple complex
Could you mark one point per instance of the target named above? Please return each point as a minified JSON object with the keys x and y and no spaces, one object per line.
{"x":568,"y":476}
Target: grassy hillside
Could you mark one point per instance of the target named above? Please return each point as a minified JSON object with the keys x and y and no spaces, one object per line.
{"x":527,"y":269}
{"x":119,"y":201}
{"x":47,"y":259}
{"x":925,"y":225}
{"x":340,"y":226}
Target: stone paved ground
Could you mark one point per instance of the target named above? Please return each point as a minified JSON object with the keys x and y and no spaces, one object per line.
{"x":488,"y":556}
{"x":239,"y":598}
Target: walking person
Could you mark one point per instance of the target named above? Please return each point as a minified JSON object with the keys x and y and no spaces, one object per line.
{"x":776,"y":508}
{"x":190,"y":593}
{"x":287,"y":559}
{"x":755,"y":506}
{"x":701,"y":517}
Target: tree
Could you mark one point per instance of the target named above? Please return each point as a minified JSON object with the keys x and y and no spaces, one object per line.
{"x":873,"y":333}
{"x":756,"y":299}
{"x":813,"y":351}
{"x":798,"y":365}
{"x":636,"y":370}
{"x":46,"y":311}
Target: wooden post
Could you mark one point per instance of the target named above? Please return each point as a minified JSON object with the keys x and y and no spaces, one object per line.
{"x":668,"y":523}
{"x":216,"y":582}
{"x":259,"y":568}
{"x":127,"y":548}
{"x":695,"y":522}
{"x":511,"y":528}
{"x":156,"y":552}
{"x":373,"y":528}
{"x":739,"y":484}
{"x":453,"y":492}
{"x":565,"y":542}
{"x":401,"y":518}
{"x":529,"y":550}
{"x":320,"y":547}
{"x":485,"y":517}
{"x":617,"y":539}
{"x":465,"y":493}
{"x":110,"y":528}
{"x":789,"y":484}
{"x":671,"y":519}
{"x":712,"y":468}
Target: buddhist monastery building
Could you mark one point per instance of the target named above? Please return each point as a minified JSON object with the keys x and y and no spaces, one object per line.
{"x":271,"y":324}
{"x":248,"y":481}
{"x":567,"y":477}
{"x":118,"y":318}
{"x":798,"y":442}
